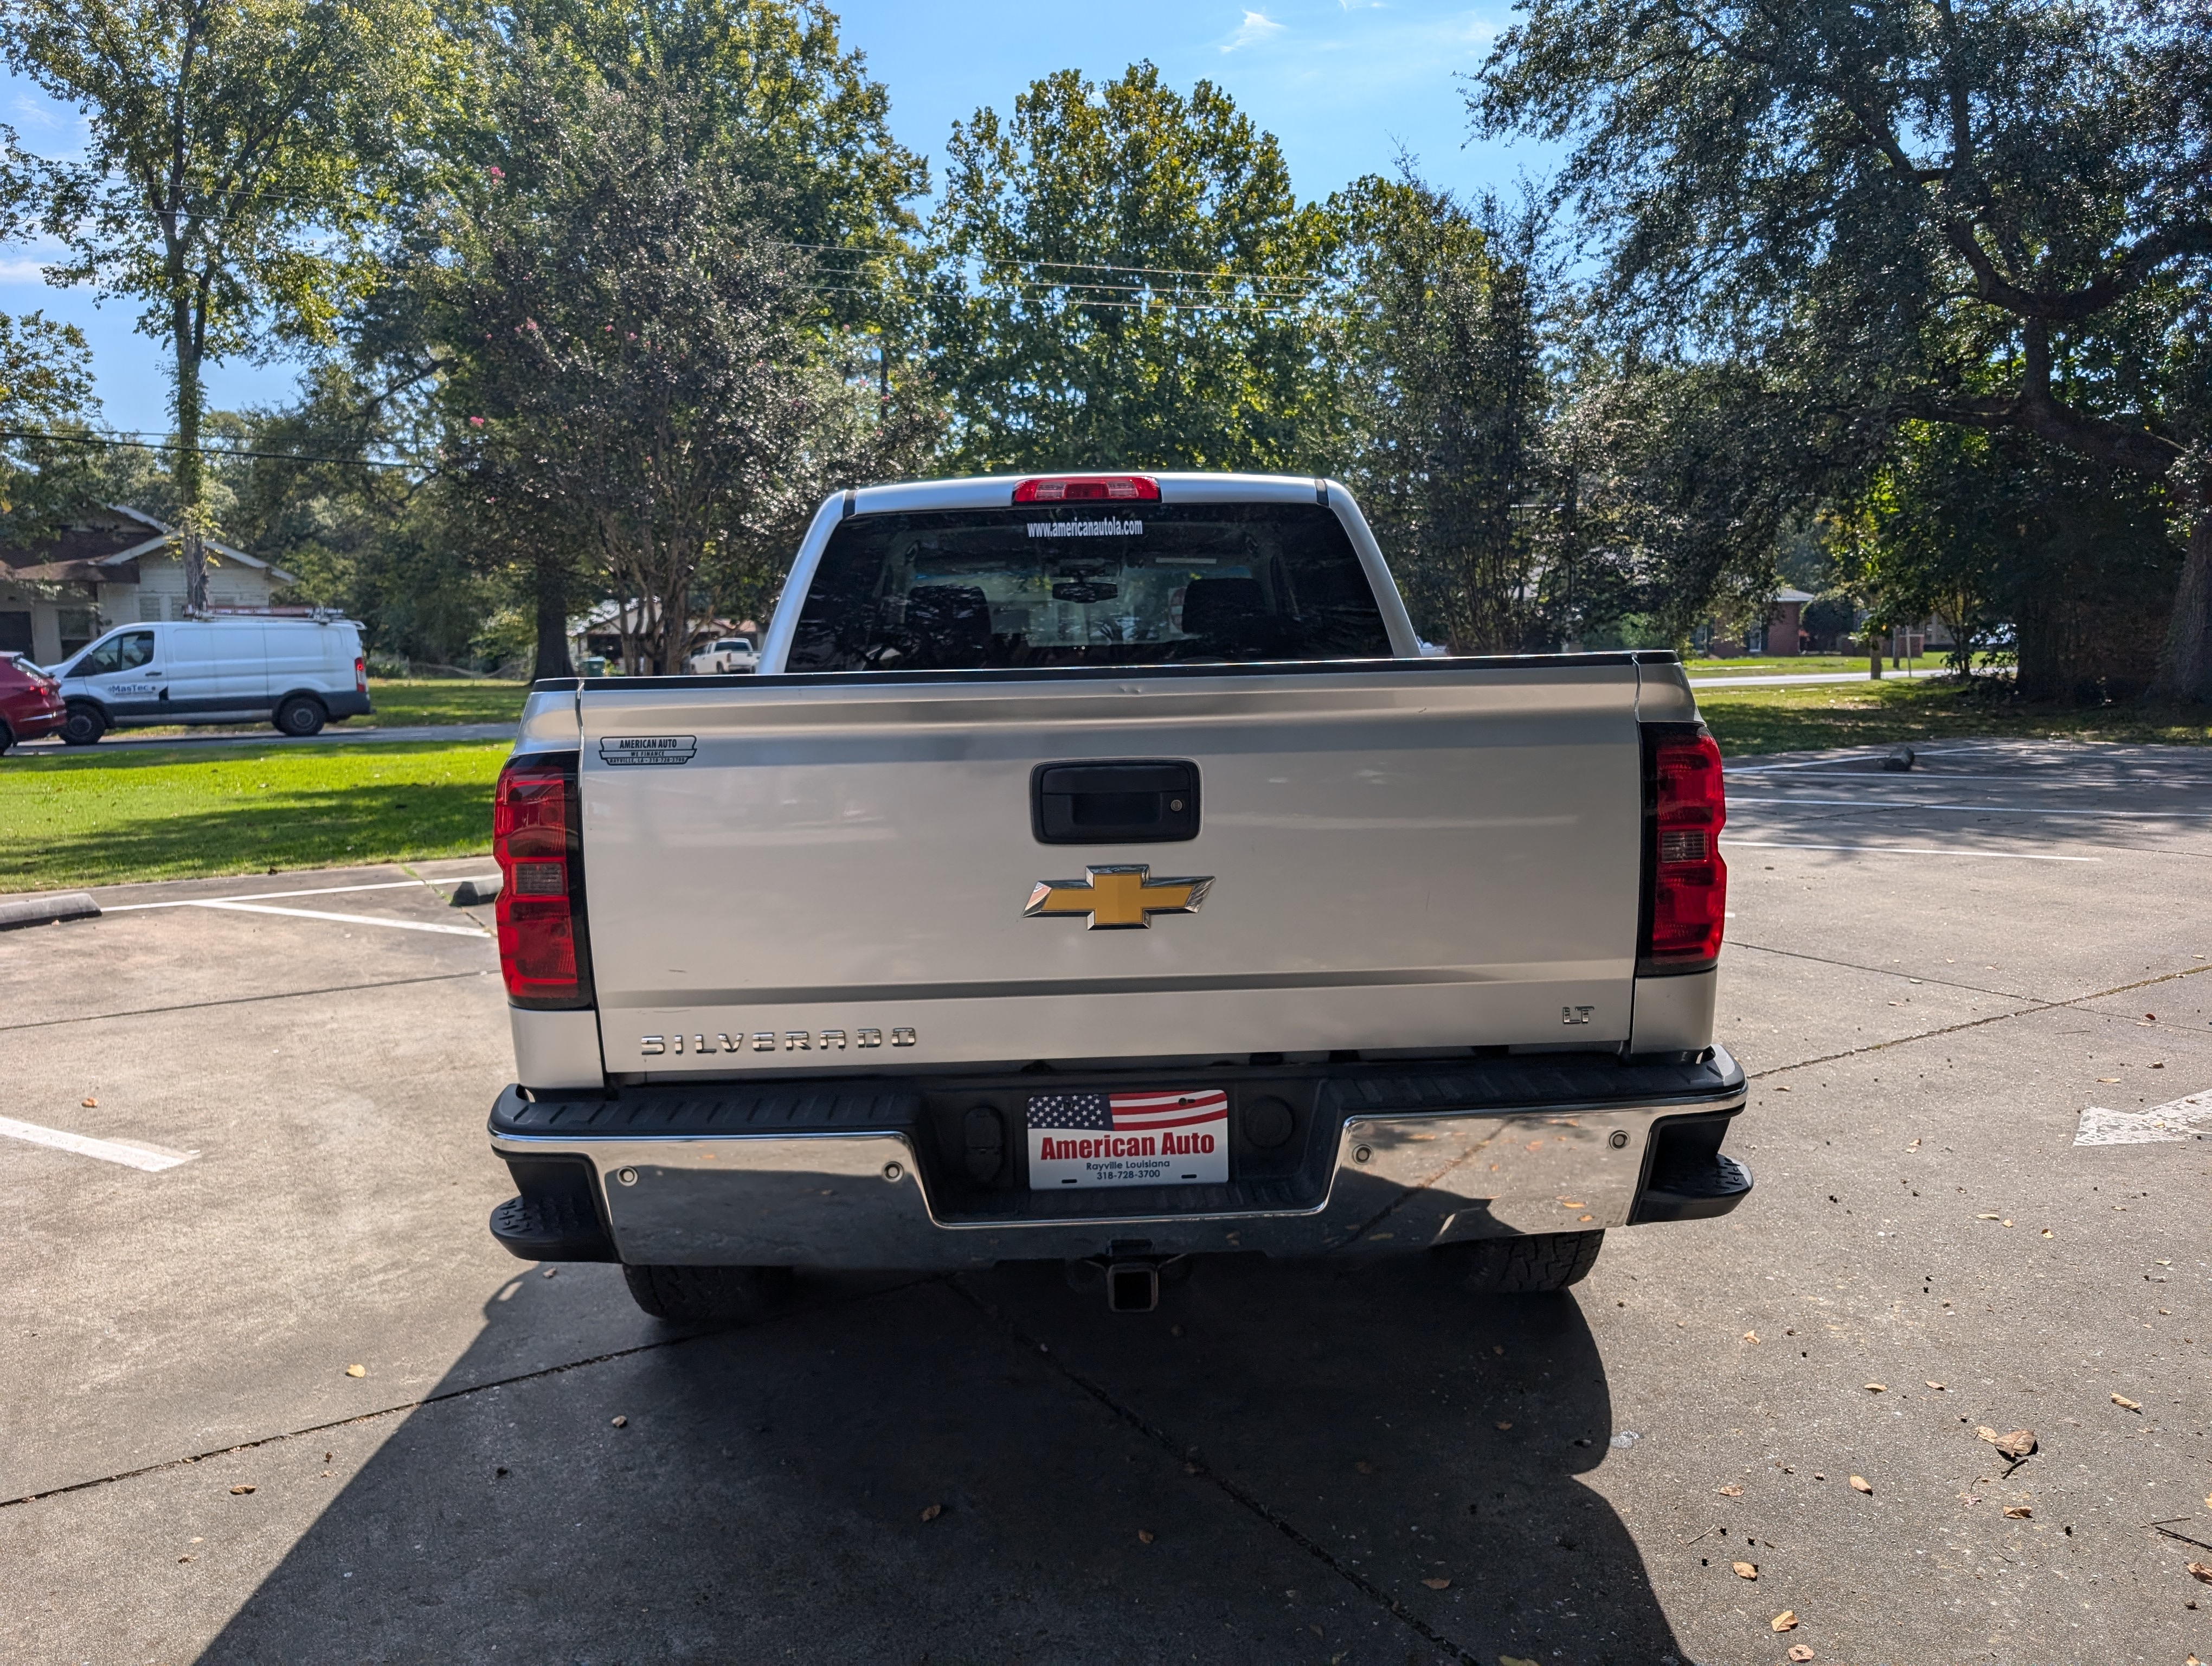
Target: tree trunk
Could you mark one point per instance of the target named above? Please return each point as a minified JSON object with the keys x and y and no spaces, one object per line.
{"x":2185,"y":668}
{"x":192,"y":548}
{"x":549,"y":578}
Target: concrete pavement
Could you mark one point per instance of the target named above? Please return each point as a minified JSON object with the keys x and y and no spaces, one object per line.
{"x":1284,"y":1463}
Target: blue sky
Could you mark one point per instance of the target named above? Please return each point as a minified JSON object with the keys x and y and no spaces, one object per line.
{"x":1344,"y":84}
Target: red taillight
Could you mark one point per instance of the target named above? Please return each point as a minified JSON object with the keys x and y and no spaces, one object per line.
{"x":1689,"y":881}
{"x":359,"y":675}
{"x":535,"y":839}
{"x":1089,"y":488}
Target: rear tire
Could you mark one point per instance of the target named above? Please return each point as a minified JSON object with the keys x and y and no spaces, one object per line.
{"x":708,"y":1295}
{"x":7,"y":739}
{"x":1536,"y":1265}
{"x":84,"y":725}
{"x":301,"y":715}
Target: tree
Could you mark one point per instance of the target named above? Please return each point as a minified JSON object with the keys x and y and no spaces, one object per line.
{"x":639,"y":365}
{"x":1967,"y":212}
{"x":1120,"y":279}
{"x":1446,"y":399}
{"x":46,"y":393}
{"x":232,"y":171}
{"x":1978,"y":529}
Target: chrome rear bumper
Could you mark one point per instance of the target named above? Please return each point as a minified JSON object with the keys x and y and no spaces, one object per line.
{"x":858,"y":1181}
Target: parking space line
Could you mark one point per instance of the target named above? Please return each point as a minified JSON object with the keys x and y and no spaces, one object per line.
{"x":320,"y":891}
{"x":107,"y":1151}
{"x":1904,"y":850}
{"x":345,"y":919}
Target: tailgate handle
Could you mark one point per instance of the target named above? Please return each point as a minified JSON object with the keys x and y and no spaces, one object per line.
{"x":1140,"y":801}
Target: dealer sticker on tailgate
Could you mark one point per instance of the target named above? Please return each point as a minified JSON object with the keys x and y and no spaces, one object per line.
{"x":1169,"y":1137}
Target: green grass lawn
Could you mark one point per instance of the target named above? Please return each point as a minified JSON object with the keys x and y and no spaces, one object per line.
{"x":111,"y":816}
{"x":1812,"y":717}
{"x":400,"y":702}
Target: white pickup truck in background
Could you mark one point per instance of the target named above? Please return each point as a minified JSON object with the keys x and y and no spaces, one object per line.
{"x":1097,"y":870}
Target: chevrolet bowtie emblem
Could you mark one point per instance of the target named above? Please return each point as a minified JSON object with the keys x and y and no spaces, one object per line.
{"x":1117,"y":899}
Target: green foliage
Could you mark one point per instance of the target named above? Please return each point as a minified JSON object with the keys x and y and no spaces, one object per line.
{"x":1675,"y":483}
{"x":46,"y":393}
{"x":639,"y":369}
{"x":1974,"y":213}
{"x":236,"y":156}
{"x":1984,"y":530}
{"x":1120,"y":280}
{"x":1446,"y":401}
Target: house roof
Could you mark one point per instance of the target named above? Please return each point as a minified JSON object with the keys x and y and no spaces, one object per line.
{"x":1786,"y":594}
{"x":102,"y":550}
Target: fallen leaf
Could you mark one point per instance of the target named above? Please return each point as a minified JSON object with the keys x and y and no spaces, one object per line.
{"x":619,"y":1422}
{"x":2108,"y":1078}
{"x":2048,"y":1233}
{"x":1801,"y":1652}
{"x":1751,"y":1336}
{"x":1437,"y":1584}
{"x":1731,"y":1491}
{"x":1146,"y":1536}
{"x":1915,"y":1146}
{"x":92,"y":1104}
{"x":1780,"y":1089}
{"x":930,"y":1512}
{"x":2126,"y":1404}
{"x":1983,"y":1432}
{"x":183,"y":1559}
{"x":1746,"y":1570}
{"x":2007,"y":1223}
{"x":1934,"y":1384}
{"x":2020,"y":1513}
{"x":2203,"y":1571}
{"x":1988,"y":1216}
{"x":1877,"y":1388}
{"x":1514,"y":1660}
{"x":1784,"y":1621}
{"x":2016,"y":1443}
{"x":1861,"y":1484}
{"x":1505,"y":1425}
{"x":356,"y":1371}
{"x":236,"y":1490}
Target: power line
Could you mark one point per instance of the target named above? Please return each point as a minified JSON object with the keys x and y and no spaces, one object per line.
{"x":1080,"y":265}
{"x":201,"y":450}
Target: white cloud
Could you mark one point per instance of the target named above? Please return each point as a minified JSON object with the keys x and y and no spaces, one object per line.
{"x":1257,"y":26}
{"x":26,"y":268}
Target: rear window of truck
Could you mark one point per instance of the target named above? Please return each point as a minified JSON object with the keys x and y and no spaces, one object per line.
{"x":1088,"y":584}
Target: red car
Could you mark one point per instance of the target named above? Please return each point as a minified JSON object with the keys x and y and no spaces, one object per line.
{"x":30,"y":702}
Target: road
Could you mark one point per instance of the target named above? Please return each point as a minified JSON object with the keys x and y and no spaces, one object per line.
{"x":336,"y":731}
{"x":1930,"y":975}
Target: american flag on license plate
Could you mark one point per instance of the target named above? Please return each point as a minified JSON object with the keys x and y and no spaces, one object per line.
{"x":1128,"y":1113}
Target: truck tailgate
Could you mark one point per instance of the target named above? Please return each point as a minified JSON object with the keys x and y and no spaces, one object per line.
{"x":792,"y":873}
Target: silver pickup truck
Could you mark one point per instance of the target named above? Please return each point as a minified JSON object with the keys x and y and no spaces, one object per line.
{"x":1098,"y":870}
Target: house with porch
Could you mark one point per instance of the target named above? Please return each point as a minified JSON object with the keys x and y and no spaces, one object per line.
{"x":112,"y":565}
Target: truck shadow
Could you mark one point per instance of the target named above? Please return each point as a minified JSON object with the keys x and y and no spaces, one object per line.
{"x":1283,"y":1462}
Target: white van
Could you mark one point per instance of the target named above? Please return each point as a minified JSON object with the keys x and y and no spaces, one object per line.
{"x":298,"y":672}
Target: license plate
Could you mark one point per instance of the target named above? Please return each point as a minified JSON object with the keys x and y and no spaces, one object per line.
{"x":1158,"y":1137}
